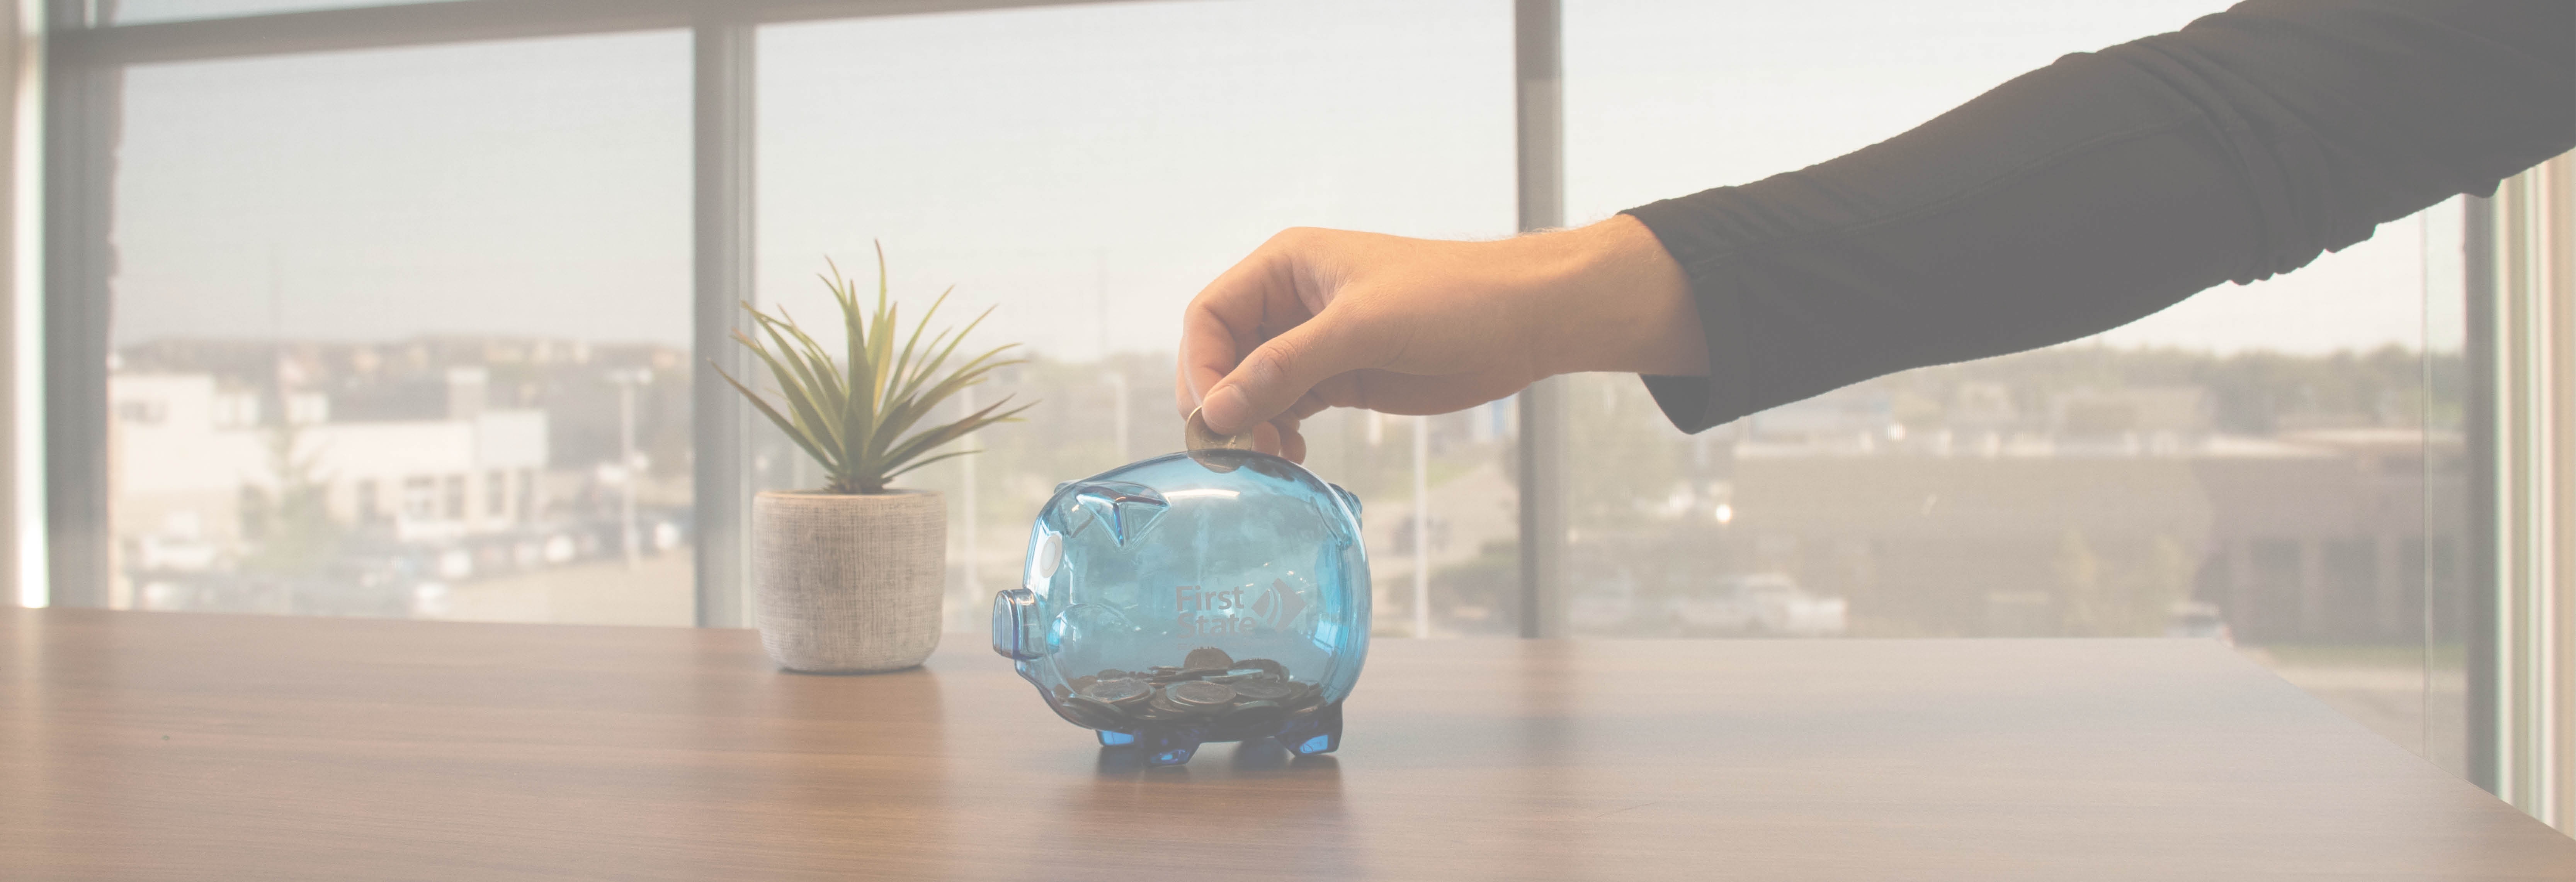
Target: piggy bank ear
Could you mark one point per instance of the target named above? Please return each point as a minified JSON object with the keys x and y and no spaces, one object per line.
{"x":1348,"y":498}
{"x":1344,"y":527}
{"x":1125,"y":510}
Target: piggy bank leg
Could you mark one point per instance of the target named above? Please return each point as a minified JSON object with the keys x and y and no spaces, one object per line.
{"x":1114,"y":739}
{"x":1319,"y":732}
{"x":1168,"y":748}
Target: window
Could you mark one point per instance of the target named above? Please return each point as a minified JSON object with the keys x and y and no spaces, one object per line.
{"x":2247,"y":463}
{"x":415,"y":265}
{"x":140,"y":413}
{"x":420,"y":498}
{"x":1086,"y":170}
{"x":393,"y":269}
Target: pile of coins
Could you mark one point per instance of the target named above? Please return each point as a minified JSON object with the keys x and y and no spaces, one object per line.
{"x":1207,"y":688}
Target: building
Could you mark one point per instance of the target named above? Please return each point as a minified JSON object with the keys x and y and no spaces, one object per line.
{"x":194,"y":463}
{"x":2315,"y":536}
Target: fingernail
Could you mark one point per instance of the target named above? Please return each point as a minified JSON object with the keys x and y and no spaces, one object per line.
{"x":1224,"y":410}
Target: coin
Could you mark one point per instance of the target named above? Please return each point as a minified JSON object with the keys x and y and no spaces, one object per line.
{"x":1199,"y":693}
{"x":1208,"y":688}
{"x":1263,"y":689}
{"x":1118,"y":691}
{"x":1236,"y":675}
{"x":1162,"y":707}
{"x":1199,"y":437}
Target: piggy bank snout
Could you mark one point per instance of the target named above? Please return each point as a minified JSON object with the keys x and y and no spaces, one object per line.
{"x":1016,"y":634}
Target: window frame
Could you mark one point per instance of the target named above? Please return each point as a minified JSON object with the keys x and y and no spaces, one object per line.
{"x":82,"y":79}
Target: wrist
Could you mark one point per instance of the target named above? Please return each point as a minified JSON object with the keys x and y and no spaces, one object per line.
{"x":1612,"y":299}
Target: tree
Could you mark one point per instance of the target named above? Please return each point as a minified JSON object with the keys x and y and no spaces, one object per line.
{"x":289,"y":522}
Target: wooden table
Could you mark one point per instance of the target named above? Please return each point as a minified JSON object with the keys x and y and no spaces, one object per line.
{"x":191,"y":746}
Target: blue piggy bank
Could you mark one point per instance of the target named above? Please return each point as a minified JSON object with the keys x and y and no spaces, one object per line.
{"x":1216,"y":595}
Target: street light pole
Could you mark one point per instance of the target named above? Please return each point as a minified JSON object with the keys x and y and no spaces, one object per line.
{"x":1118,"y":415}
{"x":1421,"y":526}
{"x":626,"y":381}
{"x":973,"y":580}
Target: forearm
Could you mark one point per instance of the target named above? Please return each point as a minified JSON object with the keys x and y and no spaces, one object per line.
{"x":1616,"y":302}
{"x":2108,"y":186}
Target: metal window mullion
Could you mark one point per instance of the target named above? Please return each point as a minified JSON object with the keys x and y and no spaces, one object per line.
{"x":80,"y":121}
{"x":2551,"y":285}
{"x":421,"y":24}
{"x":2482,"y":551}
{"x":25,"y":344}
{"x":723,"y":135}
{"x":1538,"y":84}
{"x":2523,"y":349}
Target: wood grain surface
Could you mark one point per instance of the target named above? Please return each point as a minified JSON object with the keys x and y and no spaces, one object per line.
{"x":193,"y":746}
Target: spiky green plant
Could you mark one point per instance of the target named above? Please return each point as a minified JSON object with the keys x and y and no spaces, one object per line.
{"x":851,"y":414}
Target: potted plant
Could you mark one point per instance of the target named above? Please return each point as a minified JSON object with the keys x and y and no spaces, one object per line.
{"x":849,"y":577}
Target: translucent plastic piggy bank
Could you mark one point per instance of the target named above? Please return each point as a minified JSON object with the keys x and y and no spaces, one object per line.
{"x":1218,"y":595}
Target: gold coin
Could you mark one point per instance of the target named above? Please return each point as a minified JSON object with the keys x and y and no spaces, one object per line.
{"x":1199,"y":437}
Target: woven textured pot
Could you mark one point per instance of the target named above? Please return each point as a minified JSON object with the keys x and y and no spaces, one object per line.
{"x":849,"y":584}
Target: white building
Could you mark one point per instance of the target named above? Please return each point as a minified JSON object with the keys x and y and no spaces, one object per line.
{"x":184,"y":452}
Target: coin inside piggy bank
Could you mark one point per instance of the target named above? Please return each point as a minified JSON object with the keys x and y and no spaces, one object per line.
{"x":1213,"y":595}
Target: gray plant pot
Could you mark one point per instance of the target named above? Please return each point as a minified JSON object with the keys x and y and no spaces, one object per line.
{"x":849,"y":584}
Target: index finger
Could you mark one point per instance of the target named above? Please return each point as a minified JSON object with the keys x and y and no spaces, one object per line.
{"x":1229,"y":318}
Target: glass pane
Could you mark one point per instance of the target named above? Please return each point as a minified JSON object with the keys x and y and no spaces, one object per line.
{"x":2251,"y":462}
{"x":142,"y":11}
{"x":385,"y":322}
{"x":1085,"y":171}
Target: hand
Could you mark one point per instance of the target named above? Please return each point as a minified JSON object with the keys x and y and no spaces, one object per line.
{"x":1329,"y":318}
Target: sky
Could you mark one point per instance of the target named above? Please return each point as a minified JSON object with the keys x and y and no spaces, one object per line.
{"x":1084,"y":169}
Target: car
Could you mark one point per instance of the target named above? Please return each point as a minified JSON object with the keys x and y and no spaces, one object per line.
{"x":1760,"y":603}
{"x":1606,"y":608}
{"x":2198,"y":620}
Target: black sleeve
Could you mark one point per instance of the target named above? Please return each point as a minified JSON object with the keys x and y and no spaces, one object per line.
{"x":2109,"y":185}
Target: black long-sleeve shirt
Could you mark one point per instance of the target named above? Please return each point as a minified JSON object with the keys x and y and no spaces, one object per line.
{"x":2109,"y":185}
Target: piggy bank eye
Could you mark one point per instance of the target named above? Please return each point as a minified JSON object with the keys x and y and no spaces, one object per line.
{"x":1045,"y":557}
{"x":1125,"y":510}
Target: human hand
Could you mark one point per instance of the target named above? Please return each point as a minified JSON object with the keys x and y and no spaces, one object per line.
{"x":1329,"y":318}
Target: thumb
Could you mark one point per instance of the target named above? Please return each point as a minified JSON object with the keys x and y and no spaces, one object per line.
{"x":1275,"y":375}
